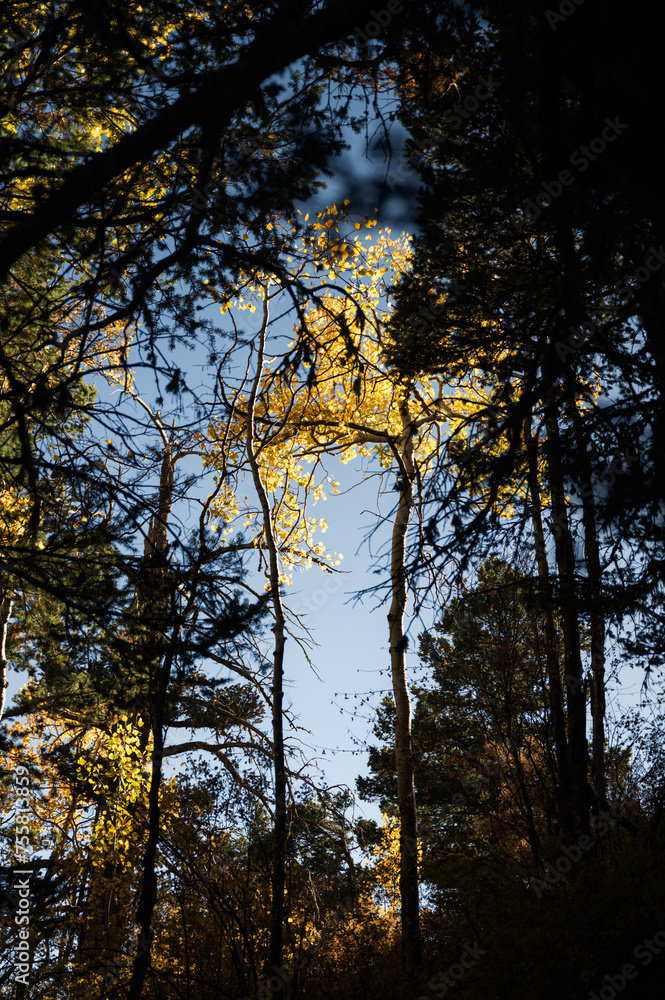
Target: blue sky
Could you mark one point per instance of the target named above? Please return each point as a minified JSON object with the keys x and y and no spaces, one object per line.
{"x":351,"y":657}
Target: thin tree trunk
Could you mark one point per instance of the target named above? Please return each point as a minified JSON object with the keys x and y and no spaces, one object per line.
{"x":276,"y":947}
{"x":597,"y":618}
{"x":557,"y":709}
{"x":153,"y":606}
{"x":514,"y":750}
{"x":534,"y":842}
{"x":6,"y":607}
{"x":576,"y":700}
{"x":149,"y":882}
{"x":408,"y":879}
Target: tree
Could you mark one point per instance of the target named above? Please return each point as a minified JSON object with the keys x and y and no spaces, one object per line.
{"x":123,"y":160}
{"x":486,"y":767}
{"x":518,"y":272}
{"x":350,"y":402}
{"x":503,"y":378}
{"x":134,"y":228}
{"x":128,"y":188}
{"x":165,"y":612}
{"x":499,"y":864}
{"x":534,"y":275}
{"x":46,"y":466}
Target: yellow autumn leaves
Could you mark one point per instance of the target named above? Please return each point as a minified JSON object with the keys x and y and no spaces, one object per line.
{"x":113,"y":769}
{"x":344,"y":400}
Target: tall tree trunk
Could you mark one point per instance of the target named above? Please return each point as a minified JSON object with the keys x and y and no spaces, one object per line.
{"x":148,"y":897}
{"x":6,"y":607}
{"x":276,"y":947}
{"x":408,"y":878}
{"x":565,"y":557}
{"x":153,"y":607}
{"x":597,"y":618}
{"x":555,"y":689}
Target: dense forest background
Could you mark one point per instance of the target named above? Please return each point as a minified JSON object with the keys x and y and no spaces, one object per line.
{"x":188,"y":349}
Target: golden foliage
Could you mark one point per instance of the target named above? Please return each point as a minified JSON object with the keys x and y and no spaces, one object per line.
{"x":347,"y":403}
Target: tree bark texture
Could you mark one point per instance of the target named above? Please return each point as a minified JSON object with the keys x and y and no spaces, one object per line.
{"x":568,"y":602}
{"x":596,"y":615}
{"x":408,"y":881}
{"x":154,"y":600}
{"x":6,"y":608}
{"x":276,"y":946}
{"x":553,"y":667}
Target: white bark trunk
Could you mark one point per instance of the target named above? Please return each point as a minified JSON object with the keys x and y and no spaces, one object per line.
{"x":410,"y":910}
{"x":276,"y":947}
{"x":6,"y":608}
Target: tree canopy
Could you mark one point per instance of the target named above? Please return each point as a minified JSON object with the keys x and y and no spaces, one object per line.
{"x":193,"y":332}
